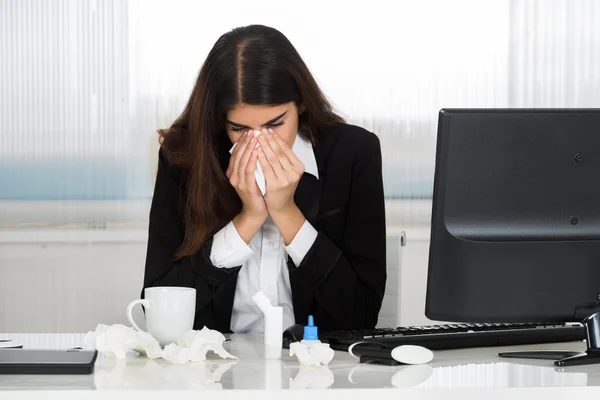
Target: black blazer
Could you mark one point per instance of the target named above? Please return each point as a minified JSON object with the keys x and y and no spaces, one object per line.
{"x":340,"y":281}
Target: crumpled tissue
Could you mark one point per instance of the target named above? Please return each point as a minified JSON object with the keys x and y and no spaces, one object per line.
{"x":312,"y":354}
{"x":118,"y":340}
{"x":259,"y":175}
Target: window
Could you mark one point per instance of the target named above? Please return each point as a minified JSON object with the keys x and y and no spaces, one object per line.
{"x":85,"y":85}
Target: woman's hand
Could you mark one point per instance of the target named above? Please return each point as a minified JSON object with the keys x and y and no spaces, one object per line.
{"x":282,"y":170}
{"x":240,"y":173}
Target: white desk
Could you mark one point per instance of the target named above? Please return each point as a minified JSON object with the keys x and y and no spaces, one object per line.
{"x":460,"y":374}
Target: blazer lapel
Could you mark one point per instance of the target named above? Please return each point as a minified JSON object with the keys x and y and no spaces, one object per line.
{"x":308,"y":192}
{"x":307,"y":196}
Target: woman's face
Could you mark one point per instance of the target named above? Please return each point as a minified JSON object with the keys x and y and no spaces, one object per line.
{"x":283,"y":119}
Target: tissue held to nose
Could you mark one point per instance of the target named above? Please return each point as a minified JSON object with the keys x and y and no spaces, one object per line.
{"x":259,"y":175}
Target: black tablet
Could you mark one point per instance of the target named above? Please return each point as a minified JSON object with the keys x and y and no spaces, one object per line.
{"x":38,"y":361}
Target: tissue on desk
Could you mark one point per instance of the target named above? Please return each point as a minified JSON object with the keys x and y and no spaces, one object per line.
{"x":311,"y":354}
{"x":194,"y":345}
{"x":259,"y":175}
{"x":117,"y":340}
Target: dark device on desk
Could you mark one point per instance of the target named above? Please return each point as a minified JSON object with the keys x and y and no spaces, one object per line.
{"x":515,"y":234}
{"x":37,"y":361}
{"x":292,"y":334}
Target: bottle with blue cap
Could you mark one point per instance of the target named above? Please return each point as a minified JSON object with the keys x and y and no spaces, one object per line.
{"x":311,"y":332}
{"x":310,"y":350}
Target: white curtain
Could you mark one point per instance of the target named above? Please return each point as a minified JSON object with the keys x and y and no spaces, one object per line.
{"x":85,"y":84}
{"x":555,"y":53}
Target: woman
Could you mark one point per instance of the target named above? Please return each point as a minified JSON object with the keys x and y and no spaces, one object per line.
{"x":315,"y":242}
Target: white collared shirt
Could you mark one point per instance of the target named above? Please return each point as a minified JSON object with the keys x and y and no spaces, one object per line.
{"x":264,"y":260}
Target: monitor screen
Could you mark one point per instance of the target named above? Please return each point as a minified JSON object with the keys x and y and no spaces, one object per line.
{"x":515,"y":229}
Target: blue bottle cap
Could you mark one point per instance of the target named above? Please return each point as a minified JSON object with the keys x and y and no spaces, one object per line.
{"x":311,"y":332}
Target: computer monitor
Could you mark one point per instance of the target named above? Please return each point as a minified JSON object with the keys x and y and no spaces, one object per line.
{"x":515,"y":228}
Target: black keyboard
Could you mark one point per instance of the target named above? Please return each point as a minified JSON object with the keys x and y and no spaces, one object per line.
{"x":459,"y":336}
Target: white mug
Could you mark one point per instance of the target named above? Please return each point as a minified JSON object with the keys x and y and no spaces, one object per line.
{"x":170,"y":312}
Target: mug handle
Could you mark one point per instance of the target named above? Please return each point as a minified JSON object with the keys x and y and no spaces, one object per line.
{"x":130,"y":306}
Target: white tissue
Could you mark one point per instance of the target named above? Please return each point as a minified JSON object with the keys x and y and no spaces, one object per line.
{"x":259,"y":175}
{"x":194,"y":345}
{"x":117,"y":340}
{"x":311,"y":354}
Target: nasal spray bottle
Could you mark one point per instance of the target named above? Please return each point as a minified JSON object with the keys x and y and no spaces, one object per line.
{"x":273,"y":325}
{"x":310,"y":350}
{"x":311,"y":332}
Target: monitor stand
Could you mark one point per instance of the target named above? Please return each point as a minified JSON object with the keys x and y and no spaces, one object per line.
{"x":570,"y":358}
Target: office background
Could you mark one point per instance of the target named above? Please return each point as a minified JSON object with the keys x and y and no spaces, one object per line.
{"x":85,"y":84}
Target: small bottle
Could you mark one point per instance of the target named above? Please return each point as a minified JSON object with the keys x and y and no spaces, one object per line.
{"x":310,"y":350}
{"x":311,"y":332}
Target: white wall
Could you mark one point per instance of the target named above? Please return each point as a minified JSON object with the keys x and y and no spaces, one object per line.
{"x":69,"y":278}
{"x":415,"y":256}
{"x":57,"y":282}
{"x":64,"y":280}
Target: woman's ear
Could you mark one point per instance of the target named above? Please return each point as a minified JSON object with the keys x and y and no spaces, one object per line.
{"x":301,"y":108}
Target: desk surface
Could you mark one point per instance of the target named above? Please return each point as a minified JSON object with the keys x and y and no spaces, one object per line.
{"x":477,"y":370}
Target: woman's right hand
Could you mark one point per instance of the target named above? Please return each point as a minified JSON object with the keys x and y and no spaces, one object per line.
{"x":240,"y":173}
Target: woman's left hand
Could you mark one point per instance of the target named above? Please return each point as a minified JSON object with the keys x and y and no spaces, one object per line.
{"x":282,"y":170}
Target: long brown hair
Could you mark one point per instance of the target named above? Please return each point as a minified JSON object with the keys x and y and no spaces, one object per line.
{"x":255,"y":65}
